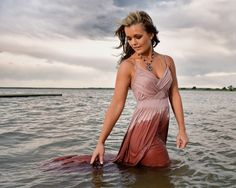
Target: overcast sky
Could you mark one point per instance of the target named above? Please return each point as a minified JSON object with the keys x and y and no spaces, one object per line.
{"x":70,"y":43}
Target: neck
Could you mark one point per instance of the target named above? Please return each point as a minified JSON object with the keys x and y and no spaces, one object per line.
{"x":147,"y":53}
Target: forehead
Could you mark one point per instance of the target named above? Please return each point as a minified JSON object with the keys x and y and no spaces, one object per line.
{"x":134,"y":29}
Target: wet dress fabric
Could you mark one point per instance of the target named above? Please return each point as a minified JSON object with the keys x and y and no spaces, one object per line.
{"x":145,"y":140}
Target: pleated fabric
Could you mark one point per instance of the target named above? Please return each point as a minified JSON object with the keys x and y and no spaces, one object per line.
{"x":145,"y":140}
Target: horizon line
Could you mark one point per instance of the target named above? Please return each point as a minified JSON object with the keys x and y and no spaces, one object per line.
{"x":12,"y":87}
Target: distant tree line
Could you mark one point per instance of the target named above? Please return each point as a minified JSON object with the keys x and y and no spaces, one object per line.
{"x":229,"y":88}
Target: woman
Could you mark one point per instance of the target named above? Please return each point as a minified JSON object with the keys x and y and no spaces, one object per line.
{"x":152,"y":78}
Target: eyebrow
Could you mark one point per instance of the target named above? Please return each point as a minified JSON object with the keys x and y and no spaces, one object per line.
{"x":134,"y":35}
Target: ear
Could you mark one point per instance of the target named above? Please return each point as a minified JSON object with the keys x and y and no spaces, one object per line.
{"x":151,"y":36}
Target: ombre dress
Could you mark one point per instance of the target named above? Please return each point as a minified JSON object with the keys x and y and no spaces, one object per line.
{"x":145,"y":140}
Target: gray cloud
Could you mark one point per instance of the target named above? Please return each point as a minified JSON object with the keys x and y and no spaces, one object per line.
{"x":207,"y":64}
{"x":216,"y":17}
{"x":208,"y":26}
{"x":131,"y":3}
{"x":104,"y":64}
{"x":69,"y":18}
{"x":49,"y":70}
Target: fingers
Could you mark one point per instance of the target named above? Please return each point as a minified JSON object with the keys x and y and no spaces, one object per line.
{"x":94,"y":156}
{"x":94,"y":159}
{"x":181,"y":140}
{"x":184,"y":143}
{"x":178,"y":143}
{"x":181,"y":143}
{"x":98,"y":154}
{"x":101,"y":159}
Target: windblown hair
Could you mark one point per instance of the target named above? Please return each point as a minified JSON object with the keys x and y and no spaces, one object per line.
{"x":132,"y":19}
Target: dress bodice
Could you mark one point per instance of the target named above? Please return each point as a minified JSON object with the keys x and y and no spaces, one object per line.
{"x":145,"y":85}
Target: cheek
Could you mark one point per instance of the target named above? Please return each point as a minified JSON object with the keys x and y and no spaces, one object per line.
{"x":142,"y":41}
{"x":129,"y":42}
{"x":145,"y":42}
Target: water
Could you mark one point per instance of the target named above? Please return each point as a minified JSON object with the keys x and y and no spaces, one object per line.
{"x":36,"y":129}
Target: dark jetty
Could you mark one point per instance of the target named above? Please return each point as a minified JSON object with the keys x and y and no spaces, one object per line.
{"x":27,"y":95}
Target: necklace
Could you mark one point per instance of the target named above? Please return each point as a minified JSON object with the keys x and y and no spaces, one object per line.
{"x":148,"y":64}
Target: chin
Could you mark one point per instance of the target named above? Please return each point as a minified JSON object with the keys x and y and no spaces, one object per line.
{"x":139,"y":51}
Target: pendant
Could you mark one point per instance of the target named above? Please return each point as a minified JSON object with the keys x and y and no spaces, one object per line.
{"x":149,"y":67}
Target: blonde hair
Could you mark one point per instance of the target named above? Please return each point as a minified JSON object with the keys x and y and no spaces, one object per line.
{"x":131,"y":19}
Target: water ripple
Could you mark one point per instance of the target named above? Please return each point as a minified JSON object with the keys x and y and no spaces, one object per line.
{"x":33,"y":130}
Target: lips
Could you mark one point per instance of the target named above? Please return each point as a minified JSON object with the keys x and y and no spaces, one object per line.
{"x":136,"y":48}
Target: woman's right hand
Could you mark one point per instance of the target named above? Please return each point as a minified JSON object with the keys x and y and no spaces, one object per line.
{"x":98,"y":153}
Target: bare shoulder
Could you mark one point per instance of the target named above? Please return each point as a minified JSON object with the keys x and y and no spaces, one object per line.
{"x":169,"y":60}
{"x":126,"y":65}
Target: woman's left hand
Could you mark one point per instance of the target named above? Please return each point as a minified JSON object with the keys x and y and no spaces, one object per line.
{"x":182,"y":139}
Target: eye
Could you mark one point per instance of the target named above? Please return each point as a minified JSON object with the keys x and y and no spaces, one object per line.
{"x":138,"y":36}
{"x":128,"y":38}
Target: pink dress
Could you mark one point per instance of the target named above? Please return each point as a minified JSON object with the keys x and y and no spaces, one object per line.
{"x":145,"y":140}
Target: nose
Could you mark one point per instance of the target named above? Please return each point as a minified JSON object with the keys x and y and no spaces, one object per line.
{"x":134,"y":42}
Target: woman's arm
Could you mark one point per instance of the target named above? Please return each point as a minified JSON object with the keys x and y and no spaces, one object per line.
{"x":115,"y":108}
{"x":177,"y":107}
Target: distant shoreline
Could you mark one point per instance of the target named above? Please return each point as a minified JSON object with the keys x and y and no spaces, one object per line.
{"x":207,"y":89}
{"x":79,"y":88}
{"x":108,"y":88}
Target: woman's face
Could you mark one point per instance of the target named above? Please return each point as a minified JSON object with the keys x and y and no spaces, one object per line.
{"x":138,"y":38}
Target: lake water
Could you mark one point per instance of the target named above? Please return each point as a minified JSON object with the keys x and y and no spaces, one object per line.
{"x":34,"y":130}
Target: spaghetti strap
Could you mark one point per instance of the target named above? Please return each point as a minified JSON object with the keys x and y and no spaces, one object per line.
{"x":165,"y":61}
{"x":145,"y":140}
